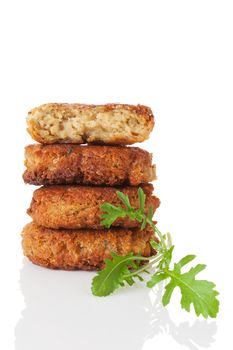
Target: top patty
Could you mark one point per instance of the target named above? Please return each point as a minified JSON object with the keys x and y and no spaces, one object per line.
{"x":88,"y":165}
{"x":79,"y":123}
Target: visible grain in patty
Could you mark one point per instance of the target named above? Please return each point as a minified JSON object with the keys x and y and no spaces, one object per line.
{"x":80,"y":123}
{"x":81,"y":249}
{"x":88,"y":165}
{"x":77,"y":207}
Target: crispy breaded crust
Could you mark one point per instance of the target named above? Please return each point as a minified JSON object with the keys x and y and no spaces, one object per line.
{"x":88,"y":165}
{"x":80,"y":123}
{"x":81,"y":249}
{"x":76,"y":207}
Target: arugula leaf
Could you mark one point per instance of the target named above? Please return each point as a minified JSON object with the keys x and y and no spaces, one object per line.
{"x":142,"y":199}
{"x":156,"y":278}
{"x":166,"y":258}
{"x":125,"y":199}
{"x":200,"y":293}
{"x":115,"y":273}
{"x":112,"y":213}
{"x":155,"y":245}
{"x":125,"y":269}
{"x":150,"y":212}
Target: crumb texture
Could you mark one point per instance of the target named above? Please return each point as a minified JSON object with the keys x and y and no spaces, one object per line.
{"x":79,"y":123}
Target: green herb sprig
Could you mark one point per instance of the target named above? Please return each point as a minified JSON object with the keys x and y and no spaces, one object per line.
{"x":122,"y":270}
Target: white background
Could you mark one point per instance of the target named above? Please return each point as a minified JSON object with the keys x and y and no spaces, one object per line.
{"x":176,"y":57}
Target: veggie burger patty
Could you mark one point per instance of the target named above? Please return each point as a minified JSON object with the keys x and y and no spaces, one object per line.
{"x":79,"y":206}
{"x":82,"y":249}
{"x":88,"y":165}
{"x":80,"y":123}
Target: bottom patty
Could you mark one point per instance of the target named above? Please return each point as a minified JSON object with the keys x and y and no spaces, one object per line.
{"x":82,"y":249}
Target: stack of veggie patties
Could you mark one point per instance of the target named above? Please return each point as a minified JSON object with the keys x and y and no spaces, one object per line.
{"x":66,"y":232}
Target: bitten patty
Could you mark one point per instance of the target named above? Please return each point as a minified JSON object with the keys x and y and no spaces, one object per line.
{"x":81,"y":249}
{"x":88,"y":165}
{"x":80,"y":123}
{"x":77,"y":207}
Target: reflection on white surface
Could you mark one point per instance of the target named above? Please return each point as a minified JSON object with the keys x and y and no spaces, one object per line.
{"x":62,"y":314}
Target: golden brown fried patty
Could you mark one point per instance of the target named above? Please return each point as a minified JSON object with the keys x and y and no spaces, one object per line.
{"x":81,"y":249}
{"x":77,"y":207}
{"x":79,"y":123}
{"x":88,"y":165}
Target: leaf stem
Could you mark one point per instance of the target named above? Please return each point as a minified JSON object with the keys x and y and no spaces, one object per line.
{"x":150,"y":222}
{"x":145,"y":267}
